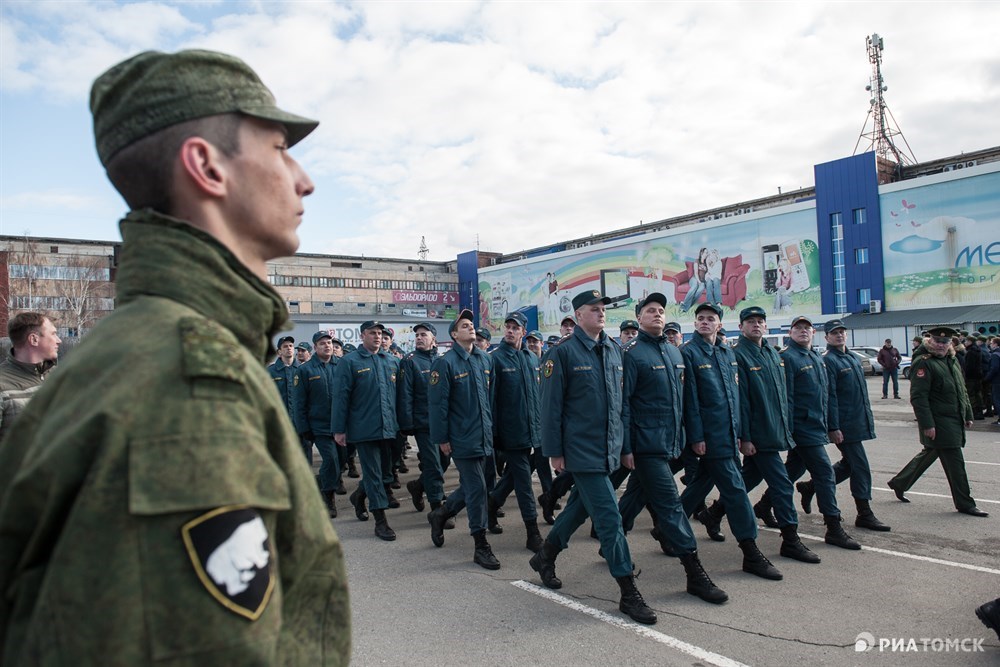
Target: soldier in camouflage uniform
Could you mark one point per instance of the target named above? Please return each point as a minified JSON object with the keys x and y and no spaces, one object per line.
{"x":169,"y":517}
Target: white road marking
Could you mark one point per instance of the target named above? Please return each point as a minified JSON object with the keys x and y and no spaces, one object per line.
{"x":984,"y":463}
{"x":697,"y":652}
{"x":934,"y":495}
{"x":903,"y":554}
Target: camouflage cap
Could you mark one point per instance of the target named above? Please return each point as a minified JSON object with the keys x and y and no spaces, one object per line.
{"x":154,"y":90}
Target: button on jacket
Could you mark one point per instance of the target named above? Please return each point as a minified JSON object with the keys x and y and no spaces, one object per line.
{"x":412,"y":408}
{"x":581,"y":403}
{"x":764,"y":408}
{"x":364,"y":399}
{"x":516,"y":420}
{"x":711,"y":397}
{"x":312,"y":395}
{"x":848,"y":410}
{"x":652,"y":397}
{"x":460,"y":403}
{"x":808,"y":389}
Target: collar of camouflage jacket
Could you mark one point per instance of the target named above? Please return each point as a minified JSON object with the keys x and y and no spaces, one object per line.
{"x":167,"y":257}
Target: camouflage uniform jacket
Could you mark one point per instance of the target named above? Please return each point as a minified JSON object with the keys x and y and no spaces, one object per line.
{"x":157,"y":506}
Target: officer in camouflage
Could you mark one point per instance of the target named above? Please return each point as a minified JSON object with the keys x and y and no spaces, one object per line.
{"x":170,"y":517}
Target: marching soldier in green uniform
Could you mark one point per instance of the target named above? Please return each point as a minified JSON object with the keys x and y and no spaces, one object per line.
{"x":283,"y":370}
{"x":850,"y":422}
{"x":652,"y":413}
{"x":462,"y":426}
{"x":712,"y":427}
{"x":582,"y":433}
{"x":516,"y":424}
{"x":413,"y":414}
{"x":312,"y":395}
{"x":364,"y":413}
{"x":169,"y":517}
{"x":808,"y":398}
{"x":940,"y":402}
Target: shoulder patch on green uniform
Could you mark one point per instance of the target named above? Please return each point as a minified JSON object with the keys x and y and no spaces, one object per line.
{"x":230,"y":550}
{"x":210,"y":350}
{"x":435,"y":377}
{"x":547,"y":368}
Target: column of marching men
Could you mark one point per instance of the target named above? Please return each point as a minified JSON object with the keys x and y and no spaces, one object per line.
{"x":596,"y":413}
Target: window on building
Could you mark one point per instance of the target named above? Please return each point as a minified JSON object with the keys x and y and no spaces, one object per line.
{"x":861,"y":255}
{"x":860,"y":217}
{"x":839,"y":272}
{"x":864,"y":296}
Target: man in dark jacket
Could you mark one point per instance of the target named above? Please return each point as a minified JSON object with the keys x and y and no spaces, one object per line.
{"x":312,"y":392}
{"x":413,"y":414}
{"x":889,"y":358}
{"x":850,"y":422}
{"x":993,"y":374}
{"x":462,"y":427}
{"x":33,"y":353}
{"x":940,"y":402}
{"x":975,"y":369}
{"x":582,"y":433}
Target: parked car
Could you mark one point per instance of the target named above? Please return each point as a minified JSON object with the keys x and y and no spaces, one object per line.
{"x":872,"y":352}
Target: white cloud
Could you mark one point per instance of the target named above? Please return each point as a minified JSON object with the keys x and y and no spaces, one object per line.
{"x":530,"y":123}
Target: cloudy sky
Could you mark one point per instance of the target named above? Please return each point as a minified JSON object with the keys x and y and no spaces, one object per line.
{"x":507,"y":125}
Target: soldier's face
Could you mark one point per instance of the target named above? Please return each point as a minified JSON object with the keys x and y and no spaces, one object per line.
{"x":591,"y":318}
{"x":372,"y":339}
{"x":324,"y":348}
{"x":802,"y":333}
{"x":674,"y":337}
{"x":651,"y":319}
{"x":534,"y":345}
{"x":837,"y":338}
{"x":424,"y":339}
{"x":482,"y":343}
{"x":386,"y":341}
{"x":265,"y":187}
{"x":302,"y":356}
{"x":706,"y":323}
{"x":287,"y":350}
{"x":338,"y":350}
{"x":512,"y":333}
{"x":566,"y":328}
{"x":938,"y":345}
{"x":628,"y":335}
{"x":464,"y":333}
{"x":753,"y":328}
{"x":45,"y":340}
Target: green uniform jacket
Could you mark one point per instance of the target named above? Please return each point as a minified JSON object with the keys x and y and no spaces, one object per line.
{"x":582,"y":402}
{"x":313,"y":390}
{"x":764,"y":413}
{"x":516,"y":420}
{"x":163,"y":418}
{"x":284,"y":378}
{"x":652,"y":397}
{"x":848,"y":410}
{"x":808,"y":395}
{"x":939,"y":399}
{"x":459,"y":396}
{"x":18,"y":383}
{"x":711,"y":397}
{"x":412,"y":407}
{"x":364,"y":397}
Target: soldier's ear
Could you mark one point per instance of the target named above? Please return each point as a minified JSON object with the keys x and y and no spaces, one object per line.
{"x":202,"y":166}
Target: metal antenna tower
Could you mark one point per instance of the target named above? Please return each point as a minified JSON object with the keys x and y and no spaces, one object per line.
{"x":884,"y":126}
{"x":423,"y":251}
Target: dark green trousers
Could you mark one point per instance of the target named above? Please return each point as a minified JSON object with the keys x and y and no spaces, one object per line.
{"x":954,"y":469}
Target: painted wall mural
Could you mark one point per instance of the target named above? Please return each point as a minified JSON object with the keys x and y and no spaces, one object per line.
{"x":941,"y":243}
{"x":769,"y":261}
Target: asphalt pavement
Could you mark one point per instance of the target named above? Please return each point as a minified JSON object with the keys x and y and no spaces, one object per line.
{"x":908,"y":596}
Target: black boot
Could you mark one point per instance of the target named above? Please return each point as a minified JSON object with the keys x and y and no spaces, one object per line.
{"x":331,"y":503}
{"x":698,"y":581}
{"x":544,"y":563}
{"x":358,"y":500}
{"x":808,"y":490}
{"x":711,"y":518}
{"x":866,"y":518}
{"x":341,"y":489}
{"x":491,"y":516}
{"x":393,"y":503}
{"x":352,"y":469}
{"x":534,"y":541}
{"x":632,"y":603}
{"x":989,"y":614}
{"x":394,"y":484}
{"x":665,"y":546}
{"x":382,"y":529}
{"x":763,"y":511}
{"x":792,"y":547}
{"x":416,"y":489}
{"x":548,"y":509}
{"x":483,"y":555}
{"x":756,"y":563}
{"x":899,"y":492}
{"x":449,"y":523}
{"x":835,"y":534}
{"x":437,"y":519}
